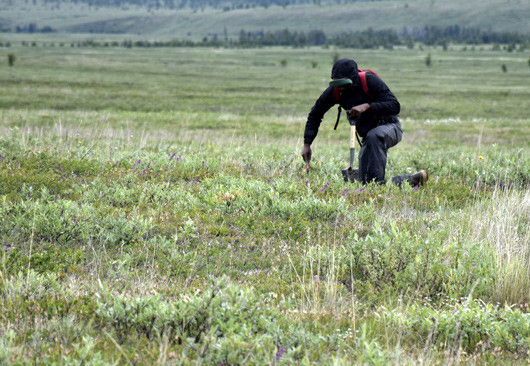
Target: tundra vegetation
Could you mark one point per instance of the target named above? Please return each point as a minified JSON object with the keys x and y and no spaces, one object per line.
{"x":154,"y":210}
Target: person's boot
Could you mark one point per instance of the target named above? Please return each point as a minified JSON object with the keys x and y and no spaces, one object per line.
{"x":416,"y":179}
{"x":419,"y":178}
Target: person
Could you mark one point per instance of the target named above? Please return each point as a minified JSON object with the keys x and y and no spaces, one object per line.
{"x":375,"y":116}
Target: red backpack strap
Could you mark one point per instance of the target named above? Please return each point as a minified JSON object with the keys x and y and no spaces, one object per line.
{"x":336,"y":92}
{"x":362,"y":76}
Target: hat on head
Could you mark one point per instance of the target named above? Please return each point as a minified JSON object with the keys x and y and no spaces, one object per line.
{"x":344,"y":72}
{"x":340,"y":82}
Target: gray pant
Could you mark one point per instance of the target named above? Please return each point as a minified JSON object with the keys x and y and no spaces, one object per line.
{"x":372,"y":157}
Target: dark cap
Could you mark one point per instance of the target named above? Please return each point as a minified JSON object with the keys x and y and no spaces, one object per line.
{"x":344,"y":72}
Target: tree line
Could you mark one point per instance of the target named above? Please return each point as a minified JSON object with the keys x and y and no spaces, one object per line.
{"x":370,"y":38}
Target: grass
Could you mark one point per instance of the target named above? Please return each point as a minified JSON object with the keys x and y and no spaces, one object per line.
{"x":149,"y":218}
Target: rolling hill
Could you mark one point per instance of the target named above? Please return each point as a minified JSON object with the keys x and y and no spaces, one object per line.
{"x":331,"y":17}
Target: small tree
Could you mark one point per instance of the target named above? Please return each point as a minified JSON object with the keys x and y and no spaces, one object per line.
{"x":428,"y":60}
{"x":11,"y":59}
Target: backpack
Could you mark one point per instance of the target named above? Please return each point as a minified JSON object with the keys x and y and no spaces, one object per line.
{"x":364,"y":84}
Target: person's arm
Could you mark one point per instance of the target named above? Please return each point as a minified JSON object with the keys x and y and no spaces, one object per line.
{"x":357,"y":110}
{"x":384,"y":101}
{"x":322,"y":105}
{"x":306,"y":155}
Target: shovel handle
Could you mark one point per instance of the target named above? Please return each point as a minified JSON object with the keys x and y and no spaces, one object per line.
{"x":352,"y":145}
{"x":352,"y":137}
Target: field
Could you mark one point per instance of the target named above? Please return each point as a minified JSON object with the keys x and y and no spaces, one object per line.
{"x":154,"y":209}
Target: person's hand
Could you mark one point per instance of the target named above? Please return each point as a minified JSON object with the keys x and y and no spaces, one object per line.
{"x":356,"y":111}
{"x":306,"y":154}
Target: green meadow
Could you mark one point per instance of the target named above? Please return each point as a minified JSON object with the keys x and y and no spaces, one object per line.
{"x":154,"y":209}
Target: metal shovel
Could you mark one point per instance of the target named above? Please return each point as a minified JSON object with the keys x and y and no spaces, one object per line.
{"x":351,"y":174}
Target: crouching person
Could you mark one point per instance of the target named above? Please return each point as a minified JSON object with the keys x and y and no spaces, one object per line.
{"x":374,"y":108}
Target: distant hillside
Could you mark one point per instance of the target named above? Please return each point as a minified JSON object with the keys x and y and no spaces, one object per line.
{"x":167,"y":19}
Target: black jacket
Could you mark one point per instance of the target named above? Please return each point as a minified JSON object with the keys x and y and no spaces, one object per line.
{"x":384,"y":106}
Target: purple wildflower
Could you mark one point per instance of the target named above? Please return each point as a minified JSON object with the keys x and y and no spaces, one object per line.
{"x":165,"y":169}
{"x":344,"y":192}
{"x":59,"y":167}
{"x":180,"y":157}
{"x":360,"y":189}
{"x":203,"y":163}
{"x":325,"y":187}
{"x":307,"y":183}
{"x":148,"y":165}
{"x":279,"y":354}
{"x":416,"y":188}
{"x":172,"y":156}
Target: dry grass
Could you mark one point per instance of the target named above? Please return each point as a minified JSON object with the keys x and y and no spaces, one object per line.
{"x":502,"y":223}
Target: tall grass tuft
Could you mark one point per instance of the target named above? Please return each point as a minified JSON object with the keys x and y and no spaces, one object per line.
{"x":502,"y":222}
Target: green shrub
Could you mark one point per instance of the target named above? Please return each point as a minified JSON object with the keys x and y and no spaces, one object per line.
{"x":470,"y":325}
{"x":395,"y":261}
{"x":11,"y":58}
{"x":213,"y":325}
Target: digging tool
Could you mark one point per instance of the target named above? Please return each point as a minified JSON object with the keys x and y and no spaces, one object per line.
{"x":351,"y":174}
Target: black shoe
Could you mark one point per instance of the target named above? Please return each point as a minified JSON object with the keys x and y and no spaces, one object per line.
{"x":416,"y":179}
{"x":419,"y":178}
